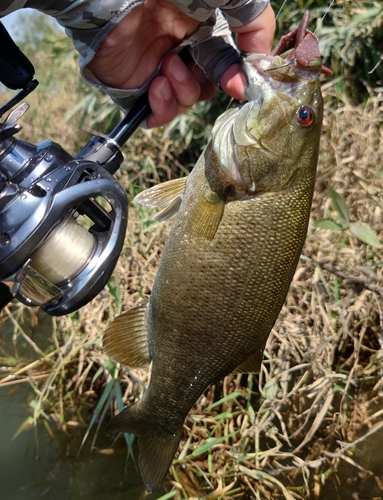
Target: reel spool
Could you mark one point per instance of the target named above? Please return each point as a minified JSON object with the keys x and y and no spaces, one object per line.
{"x":65,"y":251}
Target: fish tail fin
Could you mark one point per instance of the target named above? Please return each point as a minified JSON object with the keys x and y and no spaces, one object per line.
{"x":156,"y":454}
{"x":156,"y":446}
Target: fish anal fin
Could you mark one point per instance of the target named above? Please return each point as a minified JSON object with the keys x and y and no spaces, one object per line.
{"x":156,"y":445}
{"x":126,"y":339}
{"x":252,"y":364}
{"x":162,"y":194}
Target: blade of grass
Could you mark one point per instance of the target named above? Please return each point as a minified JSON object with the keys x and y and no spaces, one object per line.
{"x":100,"y":405}
{"x":264,"y":477}
{"x":167,"y":496}
{"x":129,"y":438}
{"x":209,"y":443}
{"x":225,"y":399}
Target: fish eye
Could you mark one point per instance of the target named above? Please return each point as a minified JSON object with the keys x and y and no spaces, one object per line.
{"x":304,"y":116}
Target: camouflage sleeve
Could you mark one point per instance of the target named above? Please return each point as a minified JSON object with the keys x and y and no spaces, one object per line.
{"x":88,"y":22}
{"x":237,"y":12}
{"x":212,"y":47}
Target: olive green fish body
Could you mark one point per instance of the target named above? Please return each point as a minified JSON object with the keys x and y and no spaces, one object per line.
{"x":231,"y":291}
{"x":229,"y":258}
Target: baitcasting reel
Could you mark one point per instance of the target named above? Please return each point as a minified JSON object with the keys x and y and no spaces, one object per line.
{"x":47,"y":258}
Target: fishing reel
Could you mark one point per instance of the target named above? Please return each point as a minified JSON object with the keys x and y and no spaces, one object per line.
{"x":48,"y":257}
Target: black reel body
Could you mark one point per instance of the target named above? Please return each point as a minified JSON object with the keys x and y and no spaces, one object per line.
{"x":47,"y":257}
{"x":43,"y":192}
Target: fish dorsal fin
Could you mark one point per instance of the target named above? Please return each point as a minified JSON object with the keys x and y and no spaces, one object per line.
{"x":252,"y":364}
{"x":169,"y":211}
{"x":126,"y":339}
{"x":206,"y":217}
{"x":162,"y":194}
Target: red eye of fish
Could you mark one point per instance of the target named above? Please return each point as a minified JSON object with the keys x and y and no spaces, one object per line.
{"x":304,"y":116}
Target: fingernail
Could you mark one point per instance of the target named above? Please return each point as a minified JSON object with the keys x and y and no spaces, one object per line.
{"x":178,"y":70}
{"x":165,"y":91}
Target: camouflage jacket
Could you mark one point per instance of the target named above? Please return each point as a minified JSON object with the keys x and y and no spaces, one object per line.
{"x":88,"y":22}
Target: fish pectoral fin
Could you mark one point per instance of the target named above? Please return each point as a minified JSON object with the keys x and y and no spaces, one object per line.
{"x":252,"y":364}
{"x":162,"y":194}
{"x":126,"y":338}
{"x":206,"y":217}
{"x":169,"y":211}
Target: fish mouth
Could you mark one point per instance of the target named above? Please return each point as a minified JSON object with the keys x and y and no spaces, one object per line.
{"x":267,"y":75}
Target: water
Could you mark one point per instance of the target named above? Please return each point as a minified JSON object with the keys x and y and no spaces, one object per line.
{"x":351,"y":483}
{"x":38,"y":464}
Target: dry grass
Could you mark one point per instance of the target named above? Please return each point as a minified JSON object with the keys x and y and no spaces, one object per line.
{"x":286,"y":432}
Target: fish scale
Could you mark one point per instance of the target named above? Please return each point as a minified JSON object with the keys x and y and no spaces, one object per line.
{"x":229,"y":259}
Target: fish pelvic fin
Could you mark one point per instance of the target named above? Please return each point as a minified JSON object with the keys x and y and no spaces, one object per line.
{"x":156,"y":446}
{"x":252,"y":364}
{"x":126,"y":338}
{"x":167,"y":194}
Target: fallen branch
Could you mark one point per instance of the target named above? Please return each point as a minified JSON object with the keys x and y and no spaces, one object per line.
{"x":359,"y":281}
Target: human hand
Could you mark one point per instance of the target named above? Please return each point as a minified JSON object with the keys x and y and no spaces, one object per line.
{"x":130,"y":54}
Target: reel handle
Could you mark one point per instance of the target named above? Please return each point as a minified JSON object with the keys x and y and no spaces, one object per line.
{"x":16,"y":70}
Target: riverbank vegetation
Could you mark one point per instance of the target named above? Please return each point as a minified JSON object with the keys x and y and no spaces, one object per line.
{"x":302,"y":428}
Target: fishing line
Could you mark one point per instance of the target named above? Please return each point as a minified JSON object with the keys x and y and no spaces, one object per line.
{"x":324,"y":15}
{"x":281,"y":8}
{"x":281,"y":66}
{"x":65,"y":252}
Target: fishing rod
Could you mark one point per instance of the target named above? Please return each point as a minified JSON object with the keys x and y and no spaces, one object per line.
{"x":48,"y":258}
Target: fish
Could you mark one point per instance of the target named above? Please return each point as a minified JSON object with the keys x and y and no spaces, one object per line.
{"x":241,"y":220}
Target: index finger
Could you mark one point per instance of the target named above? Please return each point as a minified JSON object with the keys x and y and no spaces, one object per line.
{"x":257,"y":35}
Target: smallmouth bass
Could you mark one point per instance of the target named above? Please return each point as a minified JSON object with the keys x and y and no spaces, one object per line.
{"x":241,"y":221}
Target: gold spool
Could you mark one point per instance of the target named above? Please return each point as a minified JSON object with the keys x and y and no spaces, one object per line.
{"x":65,"y":252}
